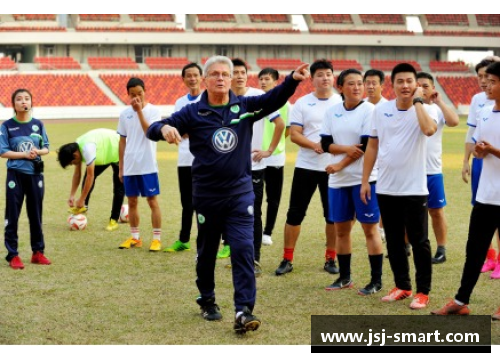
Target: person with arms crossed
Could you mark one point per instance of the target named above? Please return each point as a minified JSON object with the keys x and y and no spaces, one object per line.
{"x":305,"y":125}
{"x":220,"y":136}
{"x":138,"y":166}
{"x":191,"y":76}
{"x":398,"y":142}
{"x":23,"y":142}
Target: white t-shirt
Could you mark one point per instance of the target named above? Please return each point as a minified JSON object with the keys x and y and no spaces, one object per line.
{"x":402,"y":150}
{"x":185,"y":158}
{"x":477,"y":104}
{"x":308,"y":113}
{"x":488,"y":129}
{"x":258,"y":130}
{"x":89,"y":153}
{"x":435,"y":145}
{"x":346,"y":128}
{"x":382,"y":100}
{"x":140,"y":152}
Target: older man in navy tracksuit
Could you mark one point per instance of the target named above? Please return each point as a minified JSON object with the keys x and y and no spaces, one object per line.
{"x":220,"y":135}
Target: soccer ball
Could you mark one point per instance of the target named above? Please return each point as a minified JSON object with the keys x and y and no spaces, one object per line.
{"x":124,"y":214}
{"x":77,"y":222}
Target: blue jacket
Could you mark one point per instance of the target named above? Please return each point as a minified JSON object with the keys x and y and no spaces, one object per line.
{"x":220,"y":138}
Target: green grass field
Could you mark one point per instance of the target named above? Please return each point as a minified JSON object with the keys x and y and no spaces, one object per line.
{"x":94,"y":293}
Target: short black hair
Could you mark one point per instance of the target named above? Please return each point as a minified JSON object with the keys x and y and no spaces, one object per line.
{"x":237,"y":62}
{"x":494,"y":69}
{"x":425,"y":76}
{"x":403,"y":68}
{"x":134,"y":82}
{"x":269,"y":71}
{"x":320,"y":64}
{"x":65,"y":153}
{"x":375,"y":73}
{"x":189,"y":66}
{"x":483,"y":63}
{"x":345,"y":73}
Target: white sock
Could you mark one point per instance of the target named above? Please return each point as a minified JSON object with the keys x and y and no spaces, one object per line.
{"x":135,"y":232}
{"x":459,"y":302}
{"x":238,"y":314}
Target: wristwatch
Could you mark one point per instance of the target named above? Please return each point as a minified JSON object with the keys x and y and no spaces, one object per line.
{"x":418,"y":100}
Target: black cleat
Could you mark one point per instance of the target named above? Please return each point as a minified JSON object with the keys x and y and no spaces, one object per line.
{"x":370,"y":289}
{"x":209,"y":310}
{"x":340,"y":284}
{"x":285,"y":267}
{"x":246,"y":322}
{"x":439,"y":258}
{"x":331,"y":266}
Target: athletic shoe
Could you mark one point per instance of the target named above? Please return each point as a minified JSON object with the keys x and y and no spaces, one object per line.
{"x":331,"y":267}
{"x":340,"y":284}
{"x":285,"y":267}
{"x":246,"y":321}
{"x":209,"y":310}
{"x":16,"y":263}
{"x":489,"y":265}
{"x":266,"y":240}
{"x":370,"y":289}
{"x":496,"y":316}
{"x":396,"y":294}
{"x":439,"y":258}
{"x":178,"y":246}
{"x":131,"y":242}
{"x":382,"y":233}
{"x":257,"y":268}
{"x":496,"y":272}
{"x":225,"y":252}
{"x":452,"y":308}
{"x":420,"y":301}
{"x":112,"y":226}
{"x":39,"y":258}
{"x":78,"y":210}
{"x":155,"y":245}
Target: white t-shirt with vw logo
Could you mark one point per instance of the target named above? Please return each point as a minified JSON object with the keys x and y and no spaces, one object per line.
{"x":402,"y":150}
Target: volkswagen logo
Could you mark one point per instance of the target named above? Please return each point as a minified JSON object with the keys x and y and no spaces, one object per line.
{"x":24,"y":147}
{"x":225,"y":140}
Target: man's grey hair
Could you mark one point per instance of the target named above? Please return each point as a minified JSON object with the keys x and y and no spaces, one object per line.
{"x":217,"y":59}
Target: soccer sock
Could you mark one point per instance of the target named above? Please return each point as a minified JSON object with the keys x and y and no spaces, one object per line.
{"x":288,"y":254}
{"x":492,"y":255}
{"x":135,"y":232}
{"x":157,"y":234}
{"x":441,"y":249}
{"x":376,"y":267}
{"x":344,"y":265}
{"x":330,"y":254}
{"x":459,"y":302}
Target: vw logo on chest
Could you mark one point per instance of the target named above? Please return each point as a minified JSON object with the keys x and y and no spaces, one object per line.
{"x":225,"y":140}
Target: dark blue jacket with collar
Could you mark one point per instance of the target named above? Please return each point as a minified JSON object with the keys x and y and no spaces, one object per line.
{"x":220,"y":138}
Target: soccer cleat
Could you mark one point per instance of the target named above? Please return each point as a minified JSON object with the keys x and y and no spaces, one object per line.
{"x":131,"y":242}
{"x":439,"y":258}
{"x":209,"y":310}
{"x":396,"y":294}
{"x":16,"y":263}
{"x":496,"y":316}
{"x":452,"y":308}
{"x":178,"y":246}
{"x":112,"y":226}
{"x":78,"y":210}
{"x":496,"y":272}
{"x":225,"y":252}
{"x":489,"y":265}
{"x":285,"y":267}
{"x":155,"y":245}
{"x":39,"y":258}
{"x":257,"y":268}
{"x":340,"y":284}
{"x":246,"y":321}
{"x":420,"y":301}
{"x":331,"y":266}
{"x":370,"y":289}
{"x":266,"y":240}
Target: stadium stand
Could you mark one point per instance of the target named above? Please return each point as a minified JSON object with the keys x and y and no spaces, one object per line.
{"x":99,"y":17}
{"x":332,"y":18}
{"x":55,"y":90}
{"x":268,"y":18}
{"x":396,"y":19}
{"x":246,"y":30}
{"x":216,"y":18}
{"x":385,"y":64}
{"x":7,"y":64}
{"x":488,"y":19}
{"x":166,"y":63}
{"x":447,"y":19}
{"x":341,"y":64}
{"x":459,"y":89}
{"x":387,"y":91}
{"x":153,"y":17}
{"x":34,"y":17}
{"x":31,"y":28}
{"x":278,"y":64}
{"x":443,"y":66}
{"x":362,"y":31}
{"x":455,"y":33}
{"x":48,"y":63}
{"x":111,"y":63}
{"x":128,"y":29}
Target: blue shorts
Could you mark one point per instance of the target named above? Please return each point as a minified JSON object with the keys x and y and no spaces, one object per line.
{"x":344,"y":203}
{"x":437,"y":198}
{"x":141,"y":185}
{"x":477,"y":166}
